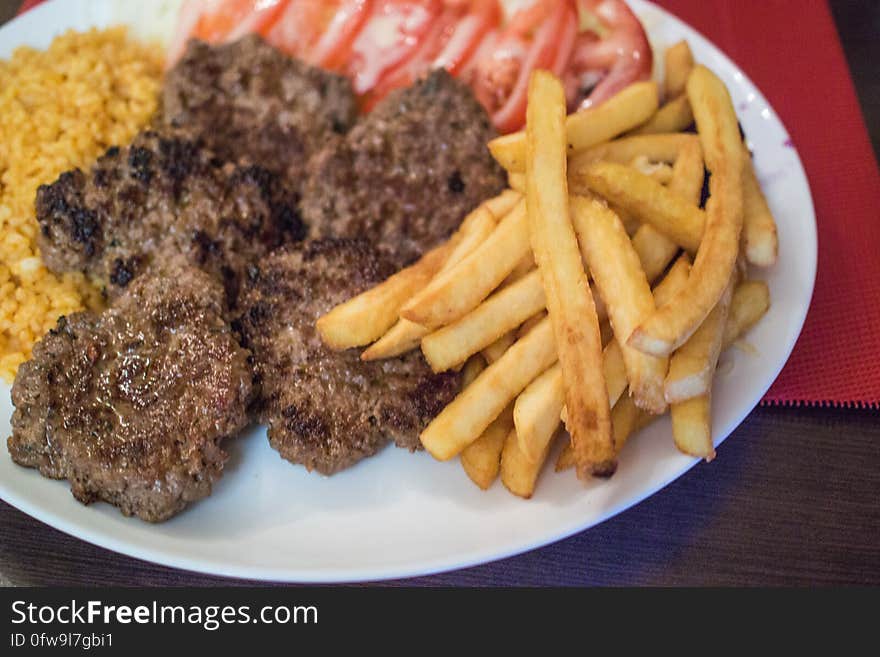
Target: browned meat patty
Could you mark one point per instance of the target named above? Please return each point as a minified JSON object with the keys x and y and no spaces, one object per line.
{"x":252,"y":103}
{"x":327,"y":410}
{"x":131,"y":405}
{"x":163,"y":195}
{"x":408,"y":172}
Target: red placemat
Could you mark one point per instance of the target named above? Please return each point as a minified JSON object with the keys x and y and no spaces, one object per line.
{"x":792,"y":52}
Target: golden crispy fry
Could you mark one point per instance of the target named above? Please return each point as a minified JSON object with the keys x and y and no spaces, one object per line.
{"x":692,"y":426}
{"x":674,"y":116}
{"x":657,"y":148}
{"x":536,"y":413}
{"x":519,"y":473}
{"x":675,"y":322}
{"x":529,"y":324}
{"x":468,"y":415}
{"x":621,"y":282}
{"x":481,"y":459}
{"x":692,"y":366}
{"x":751,"y":300}
{"x":460,"y":289}
{"x":500,"y":206}
{"x":656,"y":250}
{"x":659,"y":171}
{"x":647,"y":200}
{"x":406,"y":335}
{"x":540,"y":407}
{"x":688,"y":172}
{"x":679,"y":62}
{"x":631,"y":107}
{"x":471,"y":370}
{"x":496,"y":350}
{"x":626,"y":420}
{"x":502,"y":312}
{"x":367,"y":317}
{"x":517,"y":181}
{"x":572,"y":312}
{"x":674,"y":280}
{"x":759,"y":227}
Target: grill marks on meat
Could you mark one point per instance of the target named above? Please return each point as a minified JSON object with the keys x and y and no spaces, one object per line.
{"x":328,"y":410}
{"x":131,"y":405}
{"x":163,"y":195}
{"x":407,"y":173}
{"x":251,"y":103}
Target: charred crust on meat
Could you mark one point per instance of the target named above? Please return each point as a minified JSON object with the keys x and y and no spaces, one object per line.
{"x":455,"y":183}
{"x":123,"y":271}
{"x":140,"y":160}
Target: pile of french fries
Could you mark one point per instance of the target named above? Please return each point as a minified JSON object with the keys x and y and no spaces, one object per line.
{"x":596,"y":293}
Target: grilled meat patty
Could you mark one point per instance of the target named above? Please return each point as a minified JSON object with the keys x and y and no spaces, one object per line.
{"x":131,"y":405}
{"x":252,"y":103}
{"x":163,"y":195}
{"x":327,"y":410}
{"x":408,"y":172}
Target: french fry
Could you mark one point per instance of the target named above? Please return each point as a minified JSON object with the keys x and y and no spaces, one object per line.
{"x":674,"y":280}
{"x":366,"y":317}
{"x":626,"y":419}
{"x":629,"y":108}
{"x":751,"y":300}
{"x":678,"y":61}
{"x":500,"y":206}
{"x":692,"y":366}
{"x":655,"y":250}
{"x":406,"y":335}
{"x":539,"y":408}
{"x":759,"y":227}
{"x":692,"y":426}
{"x":502,"y":312}
{"x":517,"y":181}
{"x":481,"y":459}
{"x":647,"y":200}
{"x":474,"y":408}
{"x":692,"y":419}
{"x":659,"y":171}
{"x":529,"y":324}
{"x":671,"y":325}
{"x":674,"y":116}
{"x":519,"y":473}
{"x":657,"y":148}
{"x":621,"y":282}
{"x":570,"y":306}
{"x":536,"y":413}
{"x":471,"y":370}
{"x":496,"y":350}
{"x":460,"y":289}
{"x":688,"y":172}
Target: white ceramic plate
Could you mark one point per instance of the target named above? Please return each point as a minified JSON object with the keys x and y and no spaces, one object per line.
{"x":399,"y":514}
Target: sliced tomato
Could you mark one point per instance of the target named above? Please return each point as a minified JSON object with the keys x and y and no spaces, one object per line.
{"x":228,"y":20}
{"x":452,"y":42}
{"x":611,"y":52}
{"x":320,"y":31}
{"x":393,"y":33}
{"x":540,"y":36}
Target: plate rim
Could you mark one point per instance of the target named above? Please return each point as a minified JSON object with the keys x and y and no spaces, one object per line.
{"x":464,"y":559}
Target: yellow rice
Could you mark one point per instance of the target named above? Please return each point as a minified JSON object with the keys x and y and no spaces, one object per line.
{"x":60,"y":108}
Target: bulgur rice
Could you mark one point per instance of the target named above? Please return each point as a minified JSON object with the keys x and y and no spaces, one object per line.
{"x":59,"y":109}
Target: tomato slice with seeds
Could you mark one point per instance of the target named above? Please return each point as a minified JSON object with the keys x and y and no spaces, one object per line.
{"x":228,"y":20}
{"x":452,"y":42}
{"x":320,"y":32}
{"x":540,"y":36}
{"x":393,"y":32}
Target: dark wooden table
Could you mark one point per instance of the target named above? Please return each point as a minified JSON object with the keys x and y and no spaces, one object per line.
{"x":792,"y":499}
